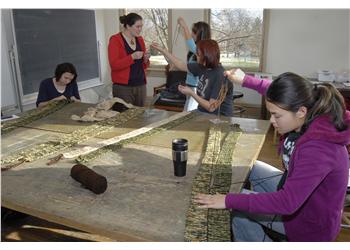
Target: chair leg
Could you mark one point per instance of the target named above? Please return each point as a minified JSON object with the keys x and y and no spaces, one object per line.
{"x":346,"y":219}
{"x":237,"y":109}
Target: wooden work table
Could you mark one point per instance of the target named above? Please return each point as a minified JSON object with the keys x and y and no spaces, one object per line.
{"x":143,"y":201}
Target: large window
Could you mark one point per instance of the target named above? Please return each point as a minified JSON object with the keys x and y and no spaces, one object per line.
{"x":239,"y":34}
{"x":155,"y":29}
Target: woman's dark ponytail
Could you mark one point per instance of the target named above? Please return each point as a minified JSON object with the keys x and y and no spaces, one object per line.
{"x":122,"y":19}
{"x":328,"y":100}
{"x":290,"y":91}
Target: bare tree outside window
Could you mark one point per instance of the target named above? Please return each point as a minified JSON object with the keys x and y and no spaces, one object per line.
{"x":239,"y":34}
{"x":155,"y":29}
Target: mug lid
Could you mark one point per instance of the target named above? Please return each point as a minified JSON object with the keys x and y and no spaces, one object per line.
{"x":180,"y":144}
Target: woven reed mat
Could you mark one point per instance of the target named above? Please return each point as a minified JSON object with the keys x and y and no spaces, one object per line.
{"x":149,"y":130}
{"x":214,"y":176}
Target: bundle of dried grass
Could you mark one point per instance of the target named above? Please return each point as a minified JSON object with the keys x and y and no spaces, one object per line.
{"x":32,"y":115}
{"x":44,"y":149}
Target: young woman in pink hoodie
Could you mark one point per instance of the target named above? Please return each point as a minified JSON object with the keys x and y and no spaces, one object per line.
{"x":305,"y":203}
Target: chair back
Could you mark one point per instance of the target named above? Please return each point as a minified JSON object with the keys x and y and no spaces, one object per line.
{"x":174,"y":78}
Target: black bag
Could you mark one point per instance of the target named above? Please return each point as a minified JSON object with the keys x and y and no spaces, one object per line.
{"x":174,"y":78}
{"x":171,"y":95}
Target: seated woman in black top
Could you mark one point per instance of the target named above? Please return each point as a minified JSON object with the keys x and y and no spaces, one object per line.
{"x":214,"y":91}
{"x":62,"y":86}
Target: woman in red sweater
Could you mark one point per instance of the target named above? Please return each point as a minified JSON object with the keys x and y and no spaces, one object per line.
{"x":128,"y":60}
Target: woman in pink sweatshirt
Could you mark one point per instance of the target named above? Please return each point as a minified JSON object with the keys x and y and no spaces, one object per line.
{"x":305,"y":203}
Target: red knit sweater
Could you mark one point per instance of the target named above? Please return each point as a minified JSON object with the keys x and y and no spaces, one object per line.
{"x":120,"y":61}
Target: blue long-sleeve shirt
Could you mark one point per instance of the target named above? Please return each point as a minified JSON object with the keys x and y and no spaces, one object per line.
{"x":191,"y":80}
{"x":48,"y":91}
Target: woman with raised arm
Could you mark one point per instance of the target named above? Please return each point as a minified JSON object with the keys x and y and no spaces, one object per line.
{"x":200,"y":31}
{"x":305,"y":203}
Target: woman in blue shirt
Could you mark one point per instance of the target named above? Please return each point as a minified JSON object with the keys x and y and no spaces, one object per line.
{"x":200,"y":31}
{"x":62,"y":86}
{"x":214,"y":93}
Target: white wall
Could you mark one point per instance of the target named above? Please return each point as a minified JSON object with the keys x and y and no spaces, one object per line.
{"x":303,"y":41}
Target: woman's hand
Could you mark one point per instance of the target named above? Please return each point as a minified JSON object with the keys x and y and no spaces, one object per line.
{"x":235,"y":75}
{"x":156,"y":46}
{"x":181,"y":21}
{"x":185,"y":90}
{"x":137,"y":55}
{"x":170,"y":57}
{"x":74,"y":99}
{"x":210,"y":201}
{"x":59,"y":98}
{"x":185,"y":28}
{"x":172,"y":67}
{"x":146,"y":57}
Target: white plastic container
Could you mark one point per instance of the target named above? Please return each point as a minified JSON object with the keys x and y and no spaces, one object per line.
{"x":326,"y":76}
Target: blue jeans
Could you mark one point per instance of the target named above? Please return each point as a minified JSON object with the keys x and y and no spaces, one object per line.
{"x":247,"y":226}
